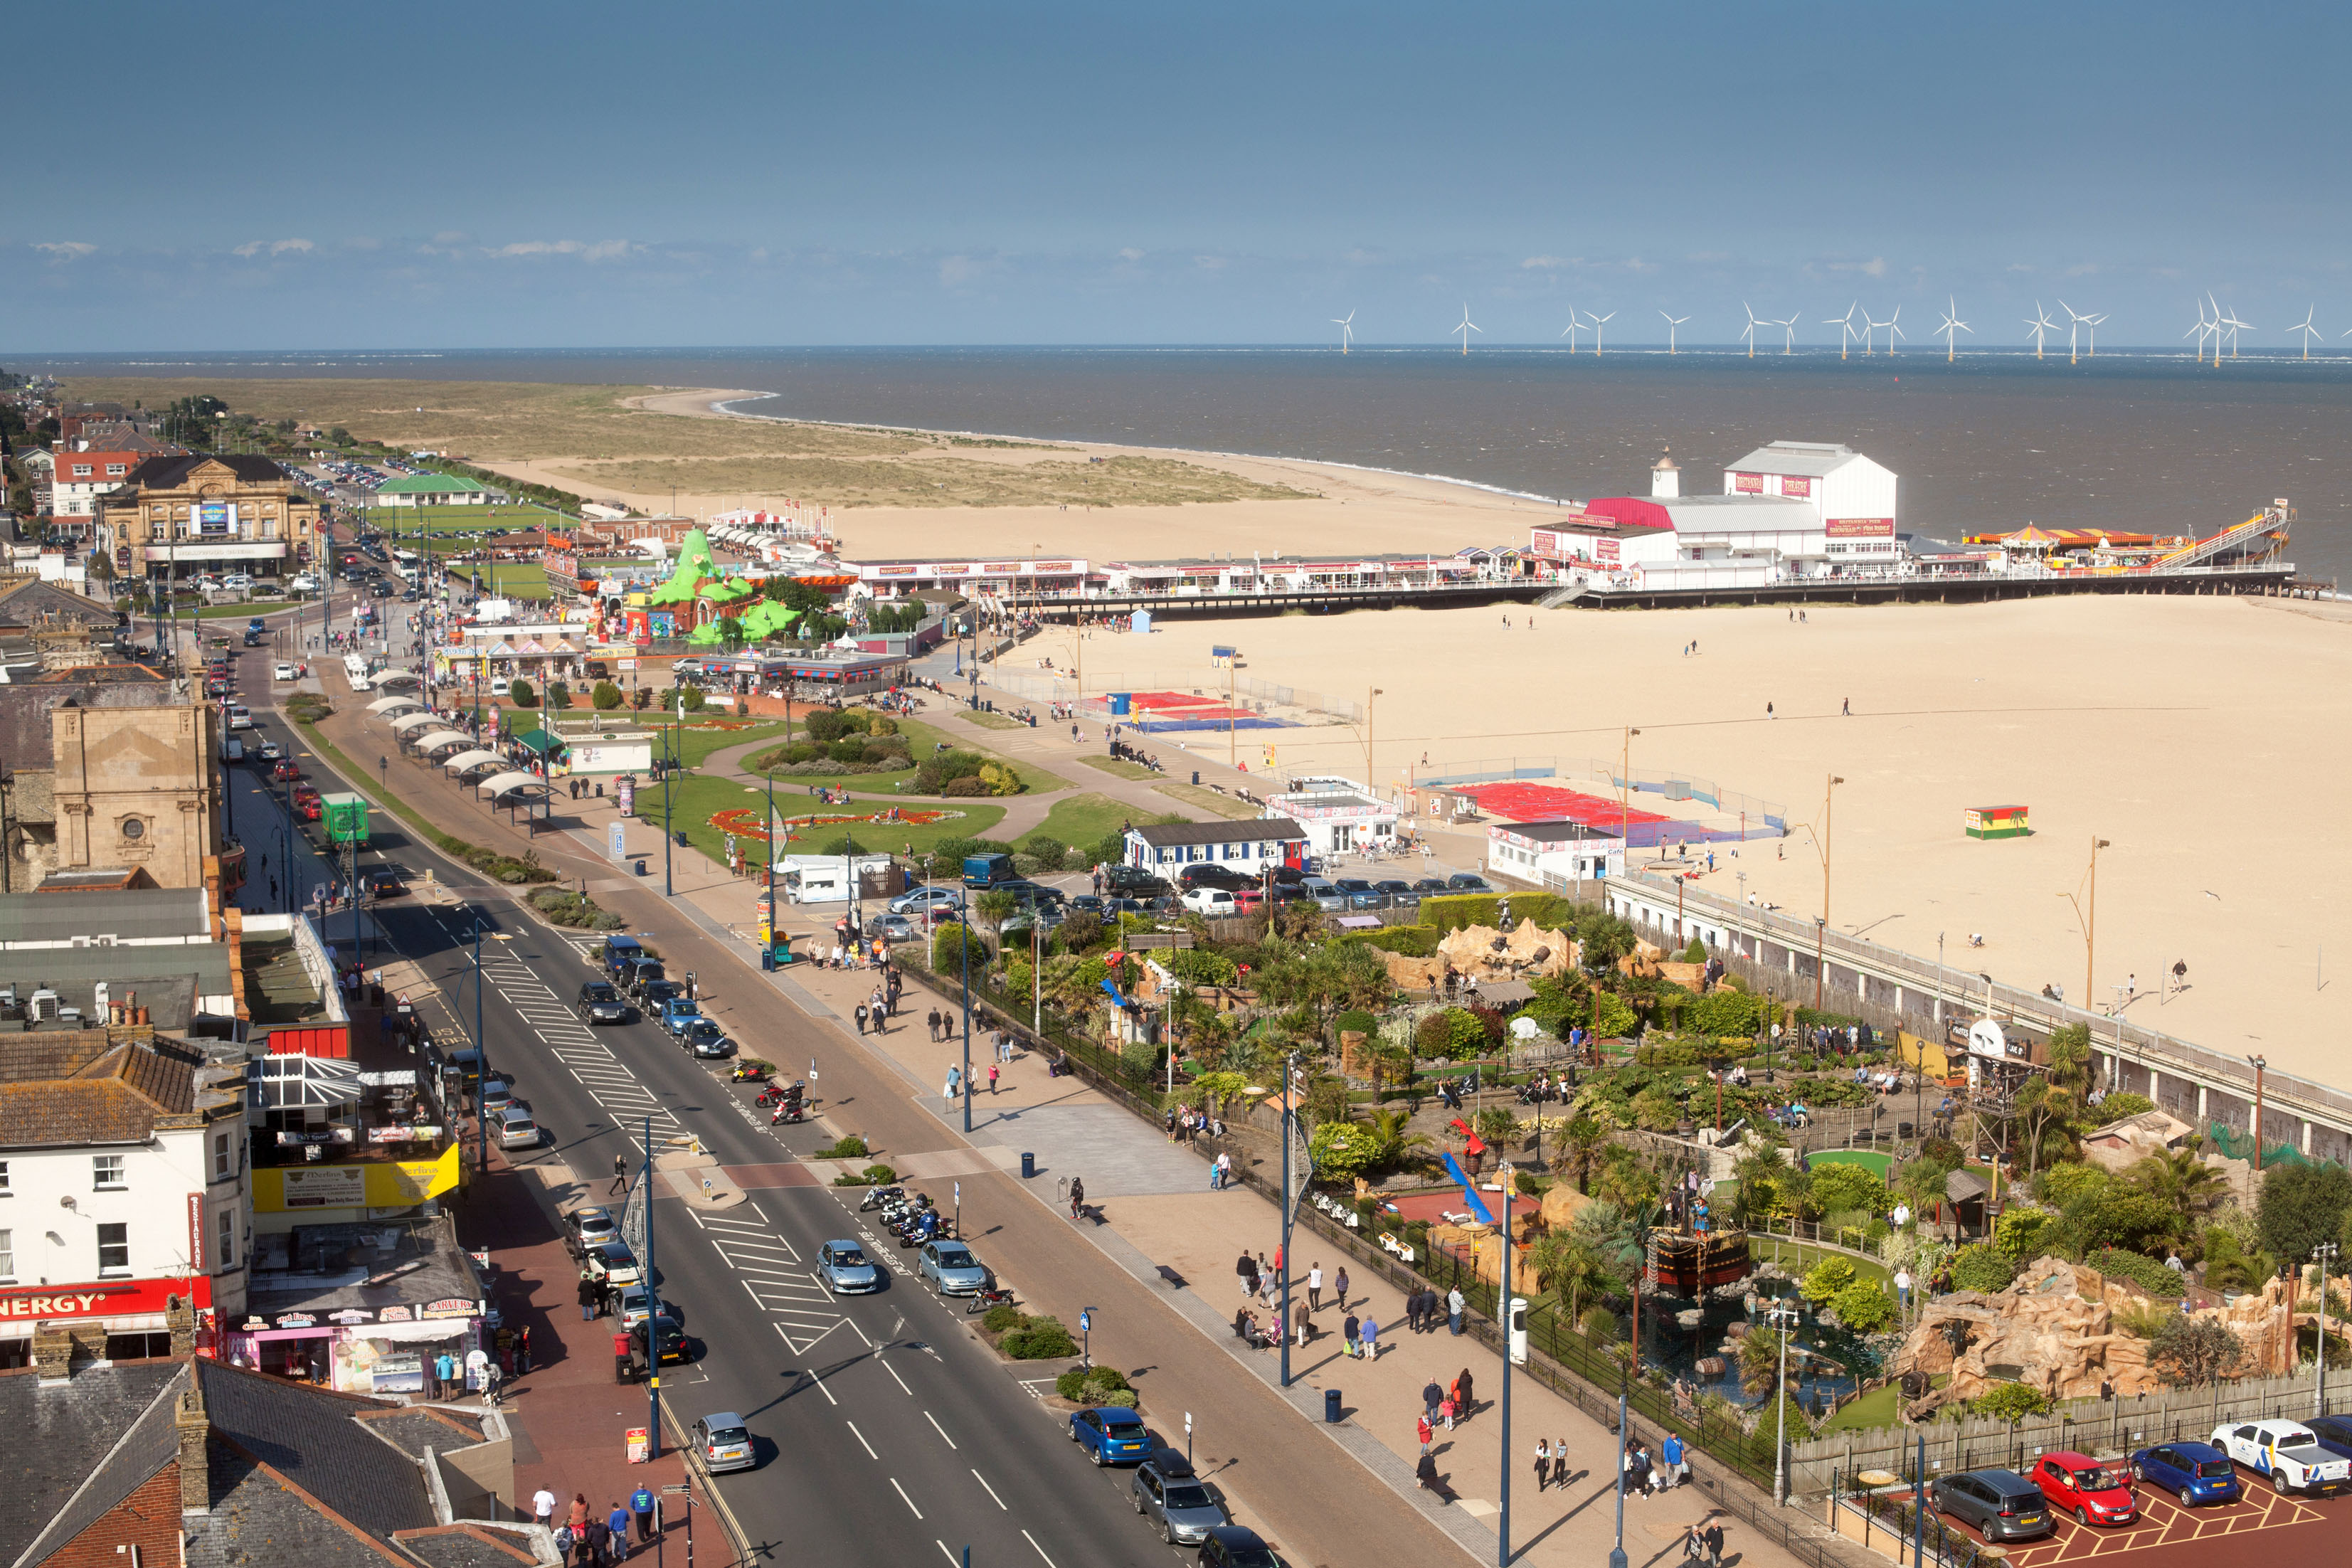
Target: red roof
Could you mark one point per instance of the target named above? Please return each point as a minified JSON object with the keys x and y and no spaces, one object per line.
{"x":97,"y":463}
{"x":1631,"y":514}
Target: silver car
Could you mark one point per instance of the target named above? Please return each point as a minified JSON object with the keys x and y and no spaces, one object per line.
{"x":1167,"y":1492}
{"x":953,"y":1267}
{"x":725,"y":1442}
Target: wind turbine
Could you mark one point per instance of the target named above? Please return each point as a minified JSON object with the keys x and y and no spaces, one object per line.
{"x":1465,"y":328}
{"x":2307,"y":329}
{"x":1869,"y":334}
{"x":2091,"y":332}
{"x":1599,"y":322}
{"x":1789,"y":346}
{"x":1347,"y":325}
{"x":1674,"y":321}
{"x":1574,"y":327}
{"x":1894,"y":330}
{"x":2198,"y":332}
{"x":2074,"y":326}
{"x":1749,"y":330}
{"x":1845,"y":326}
{"x":2235,"y":326}
{"x":1952,"y":326}
{"x":2042,"y":324}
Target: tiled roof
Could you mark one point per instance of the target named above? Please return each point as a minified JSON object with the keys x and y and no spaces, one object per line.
{"x":260,"y":1518}
{"x":1249,"y":830}
{"x":118,"y":1099}
{"x":166,"y":472}
{"x":464,"y":1546}
{"x":58,"y":1437}
{"x":151,"y":1443}
{"x":414,"y":1430}
{"x":307,"y":1434}
{"x":28,"y":601}
{"x":127,"y":914}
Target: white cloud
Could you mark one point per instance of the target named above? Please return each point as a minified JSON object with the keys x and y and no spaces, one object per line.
{"x":273,"y":247}
{"x":1635,"y":265}
{"x":65,"y":249}
{"x":955,"y":270}
{"x":1210,"y":263}
{"x":1130,"y":254}
{"x":2083,"y":269}
{"x":600,"y":250}
{"x":1547,"y":262}
{"x":449,"y":236}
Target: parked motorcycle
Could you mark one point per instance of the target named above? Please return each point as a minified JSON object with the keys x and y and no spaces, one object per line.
{"x":881,"y":1197}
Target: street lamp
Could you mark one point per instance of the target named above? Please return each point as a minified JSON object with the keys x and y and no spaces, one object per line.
{"x":2258,"y":1064}
{"x":1625,"y":781}
{"x":1368,"y":782}
{"x":1784,"y":1315}
{"x":2324,"y":1255}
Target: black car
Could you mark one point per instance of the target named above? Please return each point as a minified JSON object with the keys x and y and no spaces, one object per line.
{"x":647,"y":971}
{"x":1431,"y":885}
{"x":1128,"y":878}
{"x":600,"y":1004}
{"x":655,"y":993}
{"x":383,"y":882}
{"x":380,"y":589}
{"x":1210,"y":874}
{"x":1466,"y":882}
{"x":1236,"y":1546}
{"x":2002,"y":1504}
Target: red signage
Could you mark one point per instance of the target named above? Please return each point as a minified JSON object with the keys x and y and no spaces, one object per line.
{"x":1604,"y":549}
{"x":894,"y":570}
{"x":1861,"y":528}
{"x":1747,"y":484}
{"x":1044,"y":567}
{"x":1799,"y":486}
{"x":196,"y":1232}
{"x":104,"y":1299}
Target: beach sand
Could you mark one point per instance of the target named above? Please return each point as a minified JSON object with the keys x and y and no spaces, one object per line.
{"x":2207,"y":740}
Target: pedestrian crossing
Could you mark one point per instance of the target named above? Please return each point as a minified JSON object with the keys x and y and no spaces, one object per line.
{"x":779,"y":1281}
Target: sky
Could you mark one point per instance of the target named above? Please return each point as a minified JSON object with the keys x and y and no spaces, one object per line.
{"x":527,"y":174}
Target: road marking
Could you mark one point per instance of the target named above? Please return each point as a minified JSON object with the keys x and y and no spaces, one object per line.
{"x":861,"y":1440}
{"x":941,"y":1431}
{"x":1041,"y":1551}
{"x":910,"y":1503}
{"x":896,"y":1378}
{"x":989,"y":1490}
{"x":821,"y":1388}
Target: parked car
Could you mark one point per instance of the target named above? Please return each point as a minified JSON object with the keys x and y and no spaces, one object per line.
{"x":657,"y":996}
{"x":600,"y":1004}
{"x":591,"y":1226}
{"x":895,"y":928}
{"x":1398,"y":889}
{"x":1213,"y":902}
{"x":2288,"y":1452}
{"x":1167,"y":1493}
{"x":952,"y":1268}
{"x":517,"y":1131}
{"x":2002,"y":1504}
{"x":2078,"y":1483}
{"x":1466,"y":882}
{"x":1431,"y":885}
{"x":612,"y":1264}
{"x":2334,"y":1432}
{"x":846,"y":1270}
{"x":640,"y":973}
{"x":920,"y":901}
{"x":703,"y":1038}
{"x":1212,"y":873}
{"x":678,"y":1013}
{"x":2196,"y":1473}
{"x":725,"y":1441}
{"x":281,"y":671}
{"x":1110,"y":1435}
{"x":498,"y":1093}
{"x":1132,"y":880}
{"x":1236,"y":1546}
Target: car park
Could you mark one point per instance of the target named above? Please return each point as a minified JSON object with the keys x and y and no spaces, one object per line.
{"x":612,"y":1264}
{"x":2288,"y":1452}
{"x":600,"y":1004}
{"x":2002,"y":1504}
{"x":2196,"y":1473}
{"x":517,"y":1131}
{"x":846,"y":1270}
{"x":1110,"y":1435}
{"x":703,"y":1038}
{"x":952,"y":1268}
{"x":1236,"y":1546}
{"x":2079,"y":1485}
{"x":1167,"y":1494}
{"x":724,"y":1441}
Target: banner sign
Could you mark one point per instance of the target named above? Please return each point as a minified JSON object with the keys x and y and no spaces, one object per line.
{"x":1747,"y":484}
{"x":1799,"y":486}
{"x":1861,"y":528}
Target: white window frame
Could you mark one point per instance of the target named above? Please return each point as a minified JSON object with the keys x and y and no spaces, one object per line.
{"x":114,"y":1271}
{"x":224,"y":1160}
{"x":7,"y":1255}
{"x":101,"y":1165}
{"x":225,"y":1240}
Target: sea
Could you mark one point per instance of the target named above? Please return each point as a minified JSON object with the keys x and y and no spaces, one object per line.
{"x":2137,"y":440}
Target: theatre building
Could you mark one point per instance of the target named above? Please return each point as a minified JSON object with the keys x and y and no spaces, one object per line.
{"x":200,"y":513}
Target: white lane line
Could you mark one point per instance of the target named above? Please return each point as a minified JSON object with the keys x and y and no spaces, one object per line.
{"x":893,"y":1372}
{"x":911,"y":1502}
{"x":861,"y":1334}
{"x":990,"y":1490}
{"x":861,"y":1440}
{"x":954,"y":1560}
{"x":939,"y":1429}
{"x":1041,"y":1551}
{"x":821,"y":1388}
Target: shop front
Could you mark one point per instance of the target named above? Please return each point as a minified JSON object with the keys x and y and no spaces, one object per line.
{"x":359,"y":1350}
{"x":133,"y":1317}
{"x":362,"y":1307}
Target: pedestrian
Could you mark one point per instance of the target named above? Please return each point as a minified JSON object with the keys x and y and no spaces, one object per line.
{"x":641,"y":1503}
{"x":1413,"y":1312}
{"x":1453,"y":1305}
{"x":1466,"y":1396}
{"x":620,"y":1175}
{"x":1315,"y":1288}
{"x":542,"y":1507}
{"x":1559,"y":1461}
{"x":1543,"y":1463}
{"x":1902,"y":1292}
{"x":523,"y":1347}
{"x":1426,"y":1472}
{"x":1370,"y":1338}
{"x":1078,"y":1197}
{"x":993,"y":1071}
{"x":578,"y":1520}
{"x":600,"y":1540}
{"x":1221,"y":1172}
{"x":1447,"y":1411}
{"x":861,"y":1029}
{"x":563,"y":1543}
{"x":445,"y":1367}
{"x":931,"y":1022}
{"x":1713,"y":1539}
{"x":1301,"y":1323}
{"x":1767,"y":711}
{"x":1245,"y":1270}
{"x":490,"y":1381}
{"x":1694,"y":1544}
{"x":1339,"y":1283}
{"x":1425,"y":1432}
{"x":588,"y":1294}
{"x":948,"y":1090}
{"x":1433,"y":1395}
{"x":616,"y":1525}
{"x":1630,"y":1479}
{"x":1671,"y":1452}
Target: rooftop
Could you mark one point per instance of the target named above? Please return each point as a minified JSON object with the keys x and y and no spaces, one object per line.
{"x":120,"y":1097}
{"x":169,"y":472}
{"x":1555,"y":832}
{"x":59,"y":915}
{"x":363,"y":1267}
{"x":1815,"y":458}
{"x":1166,"y":834}
{"x":431,"y":484}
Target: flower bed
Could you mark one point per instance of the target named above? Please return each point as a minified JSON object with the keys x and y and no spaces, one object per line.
{"x":744,"y":822}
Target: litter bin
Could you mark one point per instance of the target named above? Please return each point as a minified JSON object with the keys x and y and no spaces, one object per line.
{"x":641,"y":866}
{"x":1331,"y":1406}
{"x":1196,"y":775}
{"x":1028,"y":1165}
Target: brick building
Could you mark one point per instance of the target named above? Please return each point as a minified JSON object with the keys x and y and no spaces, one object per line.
{"x":181,"y":516}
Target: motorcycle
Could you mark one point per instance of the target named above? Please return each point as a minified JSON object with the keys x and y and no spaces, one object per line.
{"x":788,"y":1112}
{"x":778,"y":1092}
{"x":749,"y":1072}
{"x":881,"y":1197}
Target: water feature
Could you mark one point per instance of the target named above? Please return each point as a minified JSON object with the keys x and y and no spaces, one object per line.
{"x":1826,"y":1363}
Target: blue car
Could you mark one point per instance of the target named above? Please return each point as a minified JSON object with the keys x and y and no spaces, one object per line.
{"x":2335,"y":1433}
{"x":2194,"y":1472}
{"x":1111,"y":1436}
{"x":846,"y":1270}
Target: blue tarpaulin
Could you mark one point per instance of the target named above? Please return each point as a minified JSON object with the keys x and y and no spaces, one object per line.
{"x":1469,"y":1191}
{"x":1112,"y":991}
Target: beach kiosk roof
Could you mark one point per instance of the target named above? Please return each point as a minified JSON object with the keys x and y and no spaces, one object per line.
{"x":538,"y":741}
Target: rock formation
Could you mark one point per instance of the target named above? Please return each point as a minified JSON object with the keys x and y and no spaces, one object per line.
{"x":1488,"y":953}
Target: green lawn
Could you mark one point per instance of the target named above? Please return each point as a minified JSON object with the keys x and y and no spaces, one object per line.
{"x":1118,"y":767}
{"x":1082,"y":818}
{"x":693,"y":802}
{"x":1208,"y":800}
{"x":923,"y":741}
{"x":1797,"y":1259}
{"x":988,"y":721}
{"x":518,"y":580}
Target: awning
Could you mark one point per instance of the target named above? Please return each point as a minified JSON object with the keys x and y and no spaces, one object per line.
{"x":439,"y":738}
{"x":1358,"y":922}
{"x":539,"y":741}
{"x":467,"y":762}
{"x":499,"y":785}
{"x":399,"y":678}
{"x":407,"y":722}
{"x":386,"y":704}
{"x":1504,"y":993}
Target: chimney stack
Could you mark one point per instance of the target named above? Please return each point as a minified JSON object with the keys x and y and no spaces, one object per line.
{"x":195,"y":1430}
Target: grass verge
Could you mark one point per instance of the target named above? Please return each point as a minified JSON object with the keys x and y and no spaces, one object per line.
{"x":1119,"y":767}
{"x":504,"y":867}
{"x":988,"y":721}
{"x":1208,"y":800}
{"x":1082,"y":818}
{"x":694,"y":801}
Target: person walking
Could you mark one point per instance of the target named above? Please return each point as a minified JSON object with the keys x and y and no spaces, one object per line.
{"x":1559,"y":1461}
{"x":600,"y":1542}
{"x":1453,"y":1305}
{"x":931,"y":1022}
{"x":542,"y":1508}
{"x":1370,"y":1338}
{"x":1339,"y":1283}
{"x":641,"y":1504}
{"x":1671,"y":1453}
{"x":1713,"y":1539}
{"x":993,"y":1071}
{"x":490,"y":1375}
{"x":1543,"y":1464}
{"x":1433,"y":1395}
{"x":1425,"y":1432}
{"x":616,"y":1529}
{"x":1351,"y":1334}
{"x":1301,"y":1323}
{"x":861,"y":1029}
{"x":1078,"y":1197}
{"x":1466,"y":1396}
{"x":1694,"y":1544}
{"x":578,"y":1518}
{"x":588,"y":1294}
{"x":1315,"y":1288}
{"x":1413,"y":1312}
{"x":1245,"y":1270}
{"x":620,"y":1175}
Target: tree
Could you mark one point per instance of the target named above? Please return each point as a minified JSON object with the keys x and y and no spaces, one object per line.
{"x":2011,"y":1402}
{"x":604,"y":697}
{"x":995,"y":907}
{"x":520,"y":692}
{"x":559,"y":694}
{"x":2188,"y":1353}
{"x":1863,"y":1307}
{"x":692,"y":698}
{"x":1567,"y":1266}
{"x":2116,"y":1215}
{"x":2301,"y":1205}
{"x":1759,"y":1359}
{"x":1841,"y":1186}
{"x":1585,"y":1140}
{"x":2070,"y":1059}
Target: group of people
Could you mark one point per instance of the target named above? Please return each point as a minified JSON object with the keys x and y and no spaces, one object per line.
{"x":1182,"y":1123}
{"x":590,"y":1539}
{"x":876,"y":1009}
{"x":1644,"y":1475}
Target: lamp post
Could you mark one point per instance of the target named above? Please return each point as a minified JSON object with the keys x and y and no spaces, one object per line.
{"x":1367,"y":738}
{"x":1617,"y":1552}
{"x":1625,"y":783}
{"x":481,"y":1062}
{"x":1785,"y":1316}
{"x":653,"y":1308}
{"x":669,"y":761}
{"x":963,"y":943}
{"x":2259,"y":1064}
{"x":1821,"y":940}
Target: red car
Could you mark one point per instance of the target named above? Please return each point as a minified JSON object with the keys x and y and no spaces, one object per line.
{"x":2079,"y":1485}
{"x":306,"y":806}
{"x":285,"y":771}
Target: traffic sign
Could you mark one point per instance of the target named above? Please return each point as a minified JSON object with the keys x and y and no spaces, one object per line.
{"x":1085,"y":1323}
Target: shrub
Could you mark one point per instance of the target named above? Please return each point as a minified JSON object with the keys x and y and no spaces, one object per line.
{"x":604,"y":697}
{"x":1600,"y":1326}
{"x":1450,"y":1033}
{"x":519,"y":693}
{"x":1982,"y":1267}
{"x":2122,"y":1104}
{"x":2138,"y":1268}
{"x":691,"y":699}
{"x":1841,"y":1185}
{"x":1200,"y":966}
{"x":851,"y":1147}
{"x":1092,"y":1384}
{"x":569,"y":908}
{"x":1695,"y":952}
{"x":872,"y":1176}
{"x":2011,"y":1402}
{"x":1038,"y":1339}
{"x":1049,"y":853}
{"x":1352,"y":1022}
{"x":1863,"y":1307}
{"x":1001,"y":1318}
{"x":1413,"y":942}
{"x":965,"y":789}
{"x":947,"y":958}
{"x":2025,"y":1232}
{"x":825,"y":725}
{"x":1657,"y":1110}
{"x":1825,"y":1279}
{"x":559,"y":694}
{"x":1454,"y":911}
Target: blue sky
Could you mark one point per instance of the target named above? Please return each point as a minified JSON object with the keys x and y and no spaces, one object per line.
{"x":586,"y":175}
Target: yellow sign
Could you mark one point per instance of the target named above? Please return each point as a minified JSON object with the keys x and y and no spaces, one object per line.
{"x":1922,"y":1056}
{"x":377,"y":1184}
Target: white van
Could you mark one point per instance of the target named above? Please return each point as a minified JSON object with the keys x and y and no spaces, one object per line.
{"x":823,"y":878}
{"x":355,"y":670}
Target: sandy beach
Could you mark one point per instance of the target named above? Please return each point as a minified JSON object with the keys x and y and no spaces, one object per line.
{"x":2205,"y":739}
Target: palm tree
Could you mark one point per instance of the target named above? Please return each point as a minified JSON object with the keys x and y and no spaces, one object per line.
{"x":1759,"y":1359}
{"x":1566,"y":1265}
{"x":1586,"y":1139}
{"x":994,"y":908}
{"x":2180,"y":1179}
{"x":1391,"y":1134}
